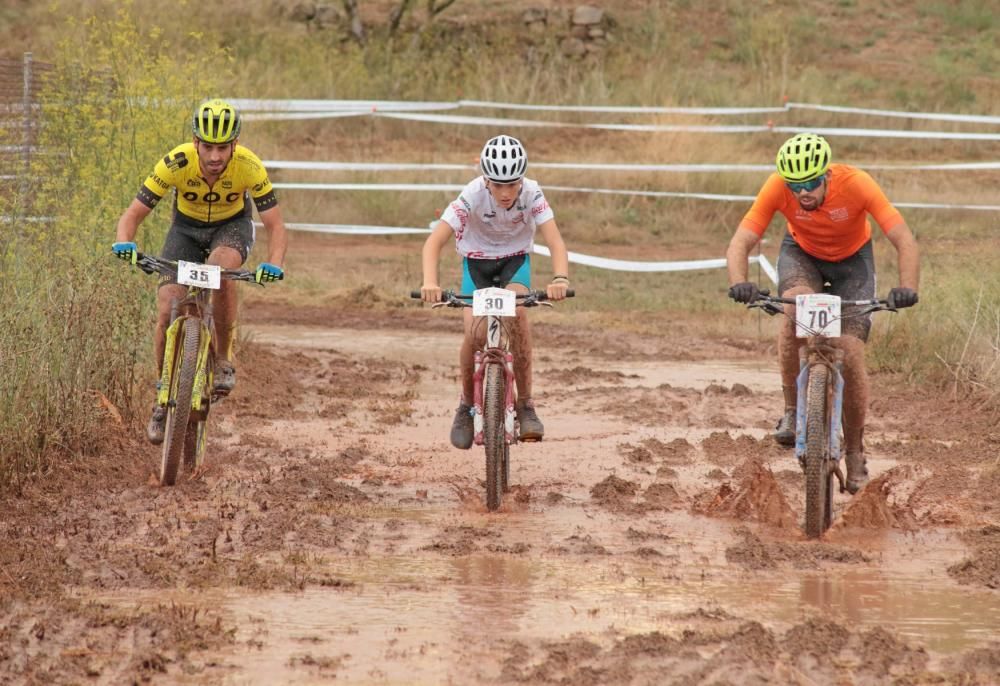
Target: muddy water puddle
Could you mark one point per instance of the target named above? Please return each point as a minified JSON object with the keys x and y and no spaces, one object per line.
{"x":429,"y":619}
{"x":439,"y":593}
{"x":431,"y":348}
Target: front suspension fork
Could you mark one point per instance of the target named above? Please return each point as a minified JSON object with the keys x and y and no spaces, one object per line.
{"x":481,"y":361}
{"x":836,"y":412}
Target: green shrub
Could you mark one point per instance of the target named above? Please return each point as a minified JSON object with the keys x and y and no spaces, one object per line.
{"x":74,"y":324}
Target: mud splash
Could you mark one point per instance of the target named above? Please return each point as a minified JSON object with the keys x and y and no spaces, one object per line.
{"x":755,"y":496}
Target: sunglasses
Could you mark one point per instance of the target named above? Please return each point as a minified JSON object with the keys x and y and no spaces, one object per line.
{"x":807,"y":186}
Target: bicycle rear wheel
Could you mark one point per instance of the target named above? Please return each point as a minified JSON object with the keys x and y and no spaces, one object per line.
{"x":493,"y":435}
{"x":819,"y":477}
{"x":179,"y":408}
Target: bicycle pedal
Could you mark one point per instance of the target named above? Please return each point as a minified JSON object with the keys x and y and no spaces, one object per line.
{"x":529,"y":439}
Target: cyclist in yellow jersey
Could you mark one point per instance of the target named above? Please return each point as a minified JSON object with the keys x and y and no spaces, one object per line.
{"x":213,"y":180}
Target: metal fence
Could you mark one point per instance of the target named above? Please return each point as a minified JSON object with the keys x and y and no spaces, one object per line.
{"x":20,"y":85}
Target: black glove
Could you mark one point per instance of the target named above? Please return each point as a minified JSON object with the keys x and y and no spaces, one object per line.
{"x":744,"y":292}
{"x":902,"y":297}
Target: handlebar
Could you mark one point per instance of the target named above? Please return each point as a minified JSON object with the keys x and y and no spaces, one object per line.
{"x":770,"y":304}
{"x":529,"y":299}
{"x":157,"y":265}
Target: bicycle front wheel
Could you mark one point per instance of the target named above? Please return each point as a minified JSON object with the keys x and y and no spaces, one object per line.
{"x":194,"y":444}
{"x":179,"y":408}
{"x":197,"y":433}
{"x":494,"y":438}
{"x":819,"y":477}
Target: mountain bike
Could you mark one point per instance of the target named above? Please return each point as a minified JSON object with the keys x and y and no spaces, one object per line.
{"x":494,"y":391}
{"x":186,"y":385}
{"x":820,"y":394}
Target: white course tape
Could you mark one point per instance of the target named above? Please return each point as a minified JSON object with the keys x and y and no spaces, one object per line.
{"x":695,"y":128}
{"x":366,"y":166}
{"x":259,"y":105}
{"x":495,"y":121}
{"x":352,"y":229}
{"x":766,"y":267}
{"x":622,"y":109}
{"x":282,"y":116}
{"x":937,"y":116}
{"x":671,"y":266}
{"x":713,"y":168}
{"x":367,"y":106}
{"x":652,"y":128}
{"x":449,"y":187}
{"x":455,"y":188}
{"x":575,"y":257}
{"x":894,"y":133}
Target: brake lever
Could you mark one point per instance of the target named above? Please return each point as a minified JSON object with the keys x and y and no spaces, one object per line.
{"x":768,"y":307}
{"x":878,"y":308}
{"x":147,"y":265}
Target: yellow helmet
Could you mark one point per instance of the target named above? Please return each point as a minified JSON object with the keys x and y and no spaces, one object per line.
{"x":216,"y":121}
{"x":803,"y":157}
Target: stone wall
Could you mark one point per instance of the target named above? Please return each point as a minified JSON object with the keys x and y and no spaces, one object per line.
{"x":580,"y":31}
{"x":584,"y":30}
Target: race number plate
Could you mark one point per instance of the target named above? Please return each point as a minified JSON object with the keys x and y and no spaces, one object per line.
{"x":199,"y":275}
{"x":498,"y":302}
{"x":817,"y":314}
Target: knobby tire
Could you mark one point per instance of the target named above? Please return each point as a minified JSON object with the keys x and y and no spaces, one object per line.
{"x":193,"y":454}
{"x":493,"y":435}
{"x":505,"y":472}
{"x":819,"y":487}
{"x":179,"y":409}
{"x":194,"y":440}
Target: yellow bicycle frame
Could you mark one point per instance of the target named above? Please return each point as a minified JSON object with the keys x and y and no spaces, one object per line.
{"x":202,"y":375}
{"x":163,"y":395}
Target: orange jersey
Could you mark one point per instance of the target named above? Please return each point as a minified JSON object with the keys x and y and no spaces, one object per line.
{"x":836,"y":229}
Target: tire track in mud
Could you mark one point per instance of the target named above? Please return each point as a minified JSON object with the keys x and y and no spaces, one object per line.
{"x":336,"y":535}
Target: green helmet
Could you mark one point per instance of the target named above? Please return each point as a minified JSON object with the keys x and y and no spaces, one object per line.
{"x":803,"y":157}
{"x":216,"y":121}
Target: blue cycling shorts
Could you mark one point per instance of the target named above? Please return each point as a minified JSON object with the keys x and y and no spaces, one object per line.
{"x":483,"y":273}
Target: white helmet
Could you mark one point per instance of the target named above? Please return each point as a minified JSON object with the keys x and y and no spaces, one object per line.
{"x":503,"y":159}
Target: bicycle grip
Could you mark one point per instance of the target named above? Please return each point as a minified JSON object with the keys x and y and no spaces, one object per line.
{"x":415,"y":294}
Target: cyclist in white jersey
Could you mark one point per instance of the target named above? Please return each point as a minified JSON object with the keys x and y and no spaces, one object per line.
{"x":494,"y":221}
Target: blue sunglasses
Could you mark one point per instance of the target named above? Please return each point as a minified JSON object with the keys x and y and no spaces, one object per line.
{"x":807,"y":186}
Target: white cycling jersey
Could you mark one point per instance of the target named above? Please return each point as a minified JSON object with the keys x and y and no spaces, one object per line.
{"x":484,"y":230}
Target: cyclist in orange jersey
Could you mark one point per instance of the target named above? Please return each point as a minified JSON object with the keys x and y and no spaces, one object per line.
{"x":213,"y":180}
{"x":828,"y":247}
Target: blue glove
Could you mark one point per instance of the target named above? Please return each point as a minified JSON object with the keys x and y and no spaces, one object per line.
{"x":126,"y":250}
{"x":267,"y":272}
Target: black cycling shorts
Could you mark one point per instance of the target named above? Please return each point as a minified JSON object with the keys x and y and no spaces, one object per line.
{"x":193,"y":244}
{"x":851,"y":279}
{"x":484,"y":273}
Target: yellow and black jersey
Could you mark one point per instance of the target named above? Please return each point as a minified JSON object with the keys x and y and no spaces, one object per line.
{"x":199,"y":204}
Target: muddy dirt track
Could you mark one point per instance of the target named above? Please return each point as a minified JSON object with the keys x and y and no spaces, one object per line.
{"x":652,"y":538}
